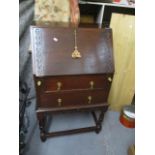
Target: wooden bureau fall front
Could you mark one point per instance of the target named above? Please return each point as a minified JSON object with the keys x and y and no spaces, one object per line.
{"x":64,"y":83}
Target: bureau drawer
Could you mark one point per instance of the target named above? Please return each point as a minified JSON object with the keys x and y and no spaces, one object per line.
{"x":75,"y":98}
{"x":89,"y":82}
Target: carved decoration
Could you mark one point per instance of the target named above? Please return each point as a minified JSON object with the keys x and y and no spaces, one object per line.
{"x":38,"y":50}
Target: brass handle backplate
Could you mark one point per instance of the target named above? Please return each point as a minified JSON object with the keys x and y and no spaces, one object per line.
{"x":38,"y":83}
{"x":59,"y":102}
{"x":91,"y":84}
{"x":89,"y":99}
{"x":109,"y":79}
{"x":59,"y":85}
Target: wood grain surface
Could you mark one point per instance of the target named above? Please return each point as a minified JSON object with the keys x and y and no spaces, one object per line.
{"x":123,"y":85}
{"x":52,"y":49}
{"x":66,"y":84}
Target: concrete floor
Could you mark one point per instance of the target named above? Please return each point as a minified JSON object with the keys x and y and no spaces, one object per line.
{"x":114,"y":139}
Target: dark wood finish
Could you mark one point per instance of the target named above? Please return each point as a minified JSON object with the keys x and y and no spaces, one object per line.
{"x":103,"y":106}
{"x":73,"y":98}
{"x":49,"y":84}
{"x":98,"y":121}
{"x":45,"y":134}
{"x":54,"y":58}
{"x":73,"y":131}
{"x":53,"y":64}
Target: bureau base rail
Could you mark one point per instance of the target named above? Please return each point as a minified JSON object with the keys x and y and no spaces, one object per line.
{"x":44,"y":134}
{"x":68,"y":132}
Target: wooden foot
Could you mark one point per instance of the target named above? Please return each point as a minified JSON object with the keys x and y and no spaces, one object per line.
{"x":98,"y":128}
{"x":42,"y":136}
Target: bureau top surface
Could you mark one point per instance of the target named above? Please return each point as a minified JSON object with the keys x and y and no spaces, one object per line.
{"x":52,"y":48}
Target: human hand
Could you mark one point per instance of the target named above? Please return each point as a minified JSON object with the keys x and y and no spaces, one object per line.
{"x":75,"y":12}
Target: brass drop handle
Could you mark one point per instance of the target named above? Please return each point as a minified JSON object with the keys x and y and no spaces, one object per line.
{"x":59,"y":85}
{"x":59,"y":102}
{"x":38,"y":83}
{"x":109,"y":79}
{"x":89,"y":99}
{"x":91,"y":84}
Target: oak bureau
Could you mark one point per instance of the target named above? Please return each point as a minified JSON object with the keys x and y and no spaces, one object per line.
{"x":73,"y":71}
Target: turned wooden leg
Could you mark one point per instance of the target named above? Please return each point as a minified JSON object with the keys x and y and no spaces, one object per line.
{"x":101,"y":116}
{"x":98,"y":121}
{"x":42,"y":122}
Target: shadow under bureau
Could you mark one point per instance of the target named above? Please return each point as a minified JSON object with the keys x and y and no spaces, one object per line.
{"x":64,"y":83}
